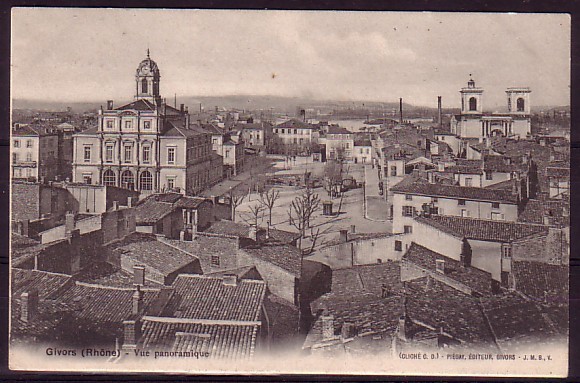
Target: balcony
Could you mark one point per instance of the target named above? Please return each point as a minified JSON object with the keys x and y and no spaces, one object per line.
{"x":25,"y":164}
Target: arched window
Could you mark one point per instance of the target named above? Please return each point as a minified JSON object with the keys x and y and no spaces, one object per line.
{"x":144,"y":86}
{"x":146,"y":181}
{"x":472,"y":103}
{"x":109,"y":178}
{"x":520,"y":104}
{"x":127,"y":180}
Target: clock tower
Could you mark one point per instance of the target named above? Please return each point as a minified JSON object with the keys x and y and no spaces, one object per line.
{"x":147,"y":81}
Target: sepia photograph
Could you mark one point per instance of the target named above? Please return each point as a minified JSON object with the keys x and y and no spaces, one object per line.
{"x":289,"y":192}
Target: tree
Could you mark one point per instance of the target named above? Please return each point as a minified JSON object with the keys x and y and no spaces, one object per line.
{"x":268,"y":200}
{"x":333,"y":177}
{"x":236,"y":199}
{"x":255,"y":214}
{"x":301,"y":211}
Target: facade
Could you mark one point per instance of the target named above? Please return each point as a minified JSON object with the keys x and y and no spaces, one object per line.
{"x":35,"y":153}
{"x":473,"y":122}
{"x":255,"y":134}
{"x":339,"y":144}
{"x":294,"y":132}
{"x":145,"y":145}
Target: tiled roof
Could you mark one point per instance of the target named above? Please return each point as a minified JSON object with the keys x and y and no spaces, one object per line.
{"x":190,"y":202}
{"x":213,"y":129}
{"x":283,"y":255}
{"x":165,"y":197}
{"x":202,"y":297}
{"x":105,"y":274}
{"x":140,"y":104}
{"x":174,"y":130}
{"x":294,"y":123}
{"x":220,"y":340}
{"x":332,"y":129}
{"x":242,"y":230}
{"x":203,"y":247}
{"x":466,"y":167}
{"x":150,"y":211}
{"x":502,"y":164}
{"x":559,"y":172}
{"x":507,"y":185}
{"x":477,"y":280}
{"x":45,"y":282}
{"x":438,"y":305}
{"x":412,"y":185}
{"x":556,"y":211}
{"x":516,"y":323}
{"x":542,"y":281}
{"x":147,"y":250}
{"x":482,"y":229}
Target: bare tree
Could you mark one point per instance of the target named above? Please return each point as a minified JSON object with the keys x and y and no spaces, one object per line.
{"x":333,"y":177}
{"x":301,"y":211}
{"x":255,"y":214}
{"x":268,"y":200}
{"x":236,"y":199}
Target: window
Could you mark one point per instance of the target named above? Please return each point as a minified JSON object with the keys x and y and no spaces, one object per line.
{"x":461,"y":202}
{"x":495,"y":205}
{"x":128,"y":124}
{"x":295,"y":131}
{"x":282,"y":131}
{"x":434,"y":199}
{"x":110,"y":124}
{"x":87,"y":153}
{"x":128,"y":151}
{"x":146,"y":181}
{"x":368,"y":151}
{"x":144,"y":87}
{"x":29,"y":143}
{"x":147,"y":125}
{"x":17,"y":173}
{"x":496,"y":216}
{"x":506,"y":250}
{"x":464,"y":213}
{"x":146,"y":153}
{"x":214,"y":141}
{"x":407,"y":229}
{"x":489,"y":176}
{"x":170,"y":183}
{"x":28,"y":172}
{"x":472,"y":104}
{"x":16,"y":143}
{"x":29,"y":157}
{"x":109,"y":178}
{"x":295,"y":140}
{"x":301,"y":140}
{"x":88,"y":178}
{"x":408,"y":197}
{"x":127,"y":180}
{"x":520,"y":104}
{"x":227,"y":153}
{"x":171,"y":155}
{"x":348,"y":145}
{"x":469,"y":182}
{"x":408,"y":211}
{"x":398,"y":246}
{"x":14,"y":157}
{"x":393,"y":170}
{"x":109,"y":150}
{"x":215,"y":260}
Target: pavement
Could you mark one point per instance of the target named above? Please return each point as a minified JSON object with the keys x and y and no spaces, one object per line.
{"x":376,"y":207}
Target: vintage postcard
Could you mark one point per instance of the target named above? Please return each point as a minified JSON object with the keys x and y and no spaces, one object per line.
{"x":288,"y":192}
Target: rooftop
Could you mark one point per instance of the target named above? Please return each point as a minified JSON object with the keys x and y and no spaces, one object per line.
{"x":477,"y":280}
{"x":411,"y":185}
{"x":542,"y":281}
{"x":482,"y":229}
{"x":294,"y":123}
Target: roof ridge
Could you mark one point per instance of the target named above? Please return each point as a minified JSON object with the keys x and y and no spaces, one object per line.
{"x":222,"y":322}
{"x":118,"y":288}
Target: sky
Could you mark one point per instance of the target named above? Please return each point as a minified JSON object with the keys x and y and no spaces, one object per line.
{"x":92,"y":54}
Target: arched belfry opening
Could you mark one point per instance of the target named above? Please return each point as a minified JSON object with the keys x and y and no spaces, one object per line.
{"x":472,"y":104}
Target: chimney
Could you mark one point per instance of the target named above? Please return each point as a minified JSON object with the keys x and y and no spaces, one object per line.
{"x":327,"y":327}
{"x":182,"y":235}
{"x":347,"y":331}
{"x":129,"y":201}
{"x":439,"y":120}
{"x":402,"y":333}
{"x":25,"y":227}
{"x":400,"y":110}
{"x":69,"y":222}
{"x":139,"y":275}
{"x":182,"y":108}
{"x":253,"y":233}
{"x":137,"y":300}
{"x":115,"y":205}
{"x":546,"y":220}
{"x":230,"y":280}
{"x":428,"y":283}
{"x":109,"y":104}
{"x":131,"y":333}
{"x":353,"y":229}
{"x":28,"y":305}
{"x":440,"y":266}
{"x":343,"y":236}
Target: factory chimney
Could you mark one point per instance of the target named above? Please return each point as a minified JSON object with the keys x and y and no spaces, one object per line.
{"x":439,"y":111}
{"x":401,"y":110}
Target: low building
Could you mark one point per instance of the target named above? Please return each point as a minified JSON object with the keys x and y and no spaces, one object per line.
{"x":35,"y":153}
{"x":339,"y":144}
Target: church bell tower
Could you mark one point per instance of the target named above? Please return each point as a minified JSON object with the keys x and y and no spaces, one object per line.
{"x":147,"y":81}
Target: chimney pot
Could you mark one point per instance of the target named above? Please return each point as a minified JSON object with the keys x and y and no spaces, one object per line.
{"x":28,"y":305}
{"x":69,"y":222}
{"x":343,"y":236}
{"x":131,"y":333}
{"x":129,"y":201}
{"x":115,"y":205}
{"x":109,"y":104}
{"x":137,"y":300}
{"x":353,"y":229}
{"x":182,"y":235}
{"x":139,"y":275}
{"x":327,"y":327}
{"x":402,"y":333}
{"x":440,"y":266}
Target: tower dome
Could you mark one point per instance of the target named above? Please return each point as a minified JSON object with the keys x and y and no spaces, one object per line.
{"x":147,"y":81}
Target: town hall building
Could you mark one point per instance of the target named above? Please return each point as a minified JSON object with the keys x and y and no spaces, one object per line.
{"x":146,"y":145}
{"x":473,"y":122}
